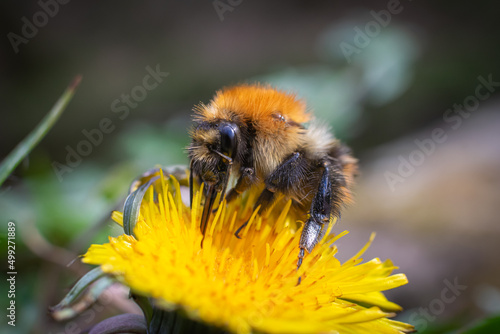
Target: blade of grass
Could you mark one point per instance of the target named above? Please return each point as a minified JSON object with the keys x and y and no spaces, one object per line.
{"x":34,"y":137}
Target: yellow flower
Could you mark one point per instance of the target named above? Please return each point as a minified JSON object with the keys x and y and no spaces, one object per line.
{"x":250,"y":284}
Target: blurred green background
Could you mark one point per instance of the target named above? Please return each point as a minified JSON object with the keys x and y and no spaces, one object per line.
{"x":403,"y":71}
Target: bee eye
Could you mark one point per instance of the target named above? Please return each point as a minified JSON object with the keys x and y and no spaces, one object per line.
{"x":228,"y":140}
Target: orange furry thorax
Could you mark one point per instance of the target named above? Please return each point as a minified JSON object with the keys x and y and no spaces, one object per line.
{"x":257,"y":103}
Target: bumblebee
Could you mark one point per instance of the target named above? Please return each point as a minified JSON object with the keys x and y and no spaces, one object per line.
{"x":257,"y":134}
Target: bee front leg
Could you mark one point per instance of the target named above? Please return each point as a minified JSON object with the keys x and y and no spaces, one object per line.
{"x":244,"y":182}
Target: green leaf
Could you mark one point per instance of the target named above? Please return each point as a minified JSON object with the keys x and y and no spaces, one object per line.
{"x":28,"y":143}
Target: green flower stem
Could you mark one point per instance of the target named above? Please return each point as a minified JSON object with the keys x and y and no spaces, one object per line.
{"x":145,"y":306}
{"x":176,"y":322}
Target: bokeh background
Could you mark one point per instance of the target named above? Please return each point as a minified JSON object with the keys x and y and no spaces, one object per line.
{"x":436,"y":216}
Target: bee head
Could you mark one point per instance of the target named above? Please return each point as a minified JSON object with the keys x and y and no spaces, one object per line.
{"x":212,"y":152}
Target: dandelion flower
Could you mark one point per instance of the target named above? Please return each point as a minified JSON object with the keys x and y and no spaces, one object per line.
{"x":245,"y":285}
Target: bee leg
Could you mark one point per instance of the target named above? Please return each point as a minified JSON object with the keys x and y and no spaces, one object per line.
{"x":279,"y":180}
{"x":265,"y":198}
{"x":319,"y":217}
{"x":244,"y":182}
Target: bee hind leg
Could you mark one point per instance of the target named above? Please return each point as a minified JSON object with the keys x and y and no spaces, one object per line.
{"x":323,"y":205}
